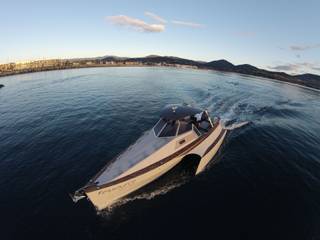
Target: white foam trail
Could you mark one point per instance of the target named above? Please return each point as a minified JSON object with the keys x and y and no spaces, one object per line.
{"x":236,"y":125}
{"x":147,"y":196}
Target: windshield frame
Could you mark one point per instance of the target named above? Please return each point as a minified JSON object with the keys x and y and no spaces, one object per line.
{"x":154,"y":128}
{"x":166,"y":122}
{"x":164,"y":127}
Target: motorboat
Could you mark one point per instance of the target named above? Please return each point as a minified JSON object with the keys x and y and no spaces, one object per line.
{"x":182,"y":131}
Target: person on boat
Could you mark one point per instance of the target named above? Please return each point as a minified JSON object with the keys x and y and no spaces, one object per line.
{"x":202,"y":120}
{"x":198,"y":116}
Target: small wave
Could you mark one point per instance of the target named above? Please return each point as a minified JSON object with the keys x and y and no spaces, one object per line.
{"x":274,"y":111}
{"x":288,"y":102}
{"x":62,"y":80}
{"x":233,"y":83}
{"x":236,"y":125}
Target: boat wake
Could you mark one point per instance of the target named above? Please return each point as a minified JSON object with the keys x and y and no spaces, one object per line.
{"x":147,"y":195}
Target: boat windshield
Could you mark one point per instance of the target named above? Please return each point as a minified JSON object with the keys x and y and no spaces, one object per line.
{"x":184,"y":127}
{"x":158,"y":127}
{"x":170,"y":129}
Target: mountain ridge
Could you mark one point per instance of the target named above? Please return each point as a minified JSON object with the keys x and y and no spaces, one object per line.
{"x":309,"y":80}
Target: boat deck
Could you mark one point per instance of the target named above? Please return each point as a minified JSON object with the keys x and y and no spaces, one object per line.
{"x":142,"y":148}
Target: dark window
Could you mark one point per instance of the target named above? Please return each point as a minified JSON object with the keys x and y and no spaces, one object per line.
{"x":184,"y":127}
{"x":159,"y":126}
{"x":170,"y":129}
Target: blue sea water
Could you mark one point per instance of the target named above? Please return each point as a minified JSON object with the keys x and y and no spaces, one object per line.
{"x":58,"y":128}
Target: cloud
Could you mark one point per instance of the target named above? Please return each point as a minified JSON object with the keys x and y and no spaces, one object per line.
{"x":135,"y":24}
{"x":304,"y":47}
{"x":296,"y":67}
{"x":142,"y":26}
{"x":156,"y":17}
{"x":245,"y":34}
{"x":188,"y":24}
{"x":285,"y":67}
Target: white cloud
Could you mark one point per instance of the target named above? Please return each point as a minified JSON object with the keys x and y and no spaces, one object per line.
{"x":135,"y":24}
{"x":304,"y":47}
{"x":296,"y":67}
{"x":188,"y":24}
{"x":142,"y":26}
{"x":285,"y":67}
{"x":245,"y":34}
{"x":155,"y":17}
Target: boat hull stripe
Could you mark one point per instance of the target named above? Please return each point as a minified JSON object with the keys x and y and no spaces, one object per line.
{"x":215,"y":142}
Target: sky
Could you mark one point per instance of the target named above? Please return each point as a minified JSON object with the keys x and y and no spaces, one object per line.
{"x":278,"y":35}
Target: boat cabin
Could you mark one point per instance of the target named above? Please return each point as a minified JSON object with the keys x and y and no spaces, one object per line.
{"x":176,"y":120}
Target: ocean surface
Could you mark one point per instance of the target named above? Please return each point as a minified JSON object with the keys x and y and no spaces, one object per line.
{"x":58,"y":128}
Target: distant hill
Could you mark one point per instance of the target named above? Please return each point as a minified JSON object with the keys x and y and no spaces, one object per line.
{"x":310,"y":80}
{"x":112,"y":58}
{"x":153,"y":59}
{"x":220,"y":65}
{"x":308,"y":76}
{"x":244,"y":68}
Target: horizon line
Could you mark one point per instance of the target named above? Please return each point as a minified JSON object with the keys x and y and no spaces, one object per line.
{"x":268,"y":68}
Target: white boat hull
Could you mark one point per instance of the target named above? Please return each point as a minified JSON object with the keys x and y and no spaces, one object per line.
{"x":106,"y":195}
{"x":210,"y":154}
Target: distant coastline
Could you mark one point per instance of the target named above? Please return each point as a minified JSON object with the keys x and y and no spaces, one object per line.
{"x":55,"y":68}
{"x":307,"y":80}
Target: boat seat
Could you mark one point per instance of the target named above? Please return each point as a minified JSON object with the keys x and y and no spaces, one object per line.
{"x":204,"y":125}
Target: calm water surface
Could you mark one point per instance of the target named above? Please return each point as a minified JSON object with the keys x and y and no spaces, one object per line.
{"x":58,"y":128}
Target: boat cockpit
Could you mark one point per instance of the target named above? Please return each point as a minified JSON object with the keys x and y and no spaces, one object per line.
{"x":177,"y":120}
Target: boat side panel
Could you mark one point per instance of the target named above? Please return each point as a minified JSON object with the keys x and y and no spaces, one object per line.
{"x":202,"y":148}
{"x":173,"y":146}
{"x":104,"y":197}
{"x":211,"y":151}
{"x":145,"y":146}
